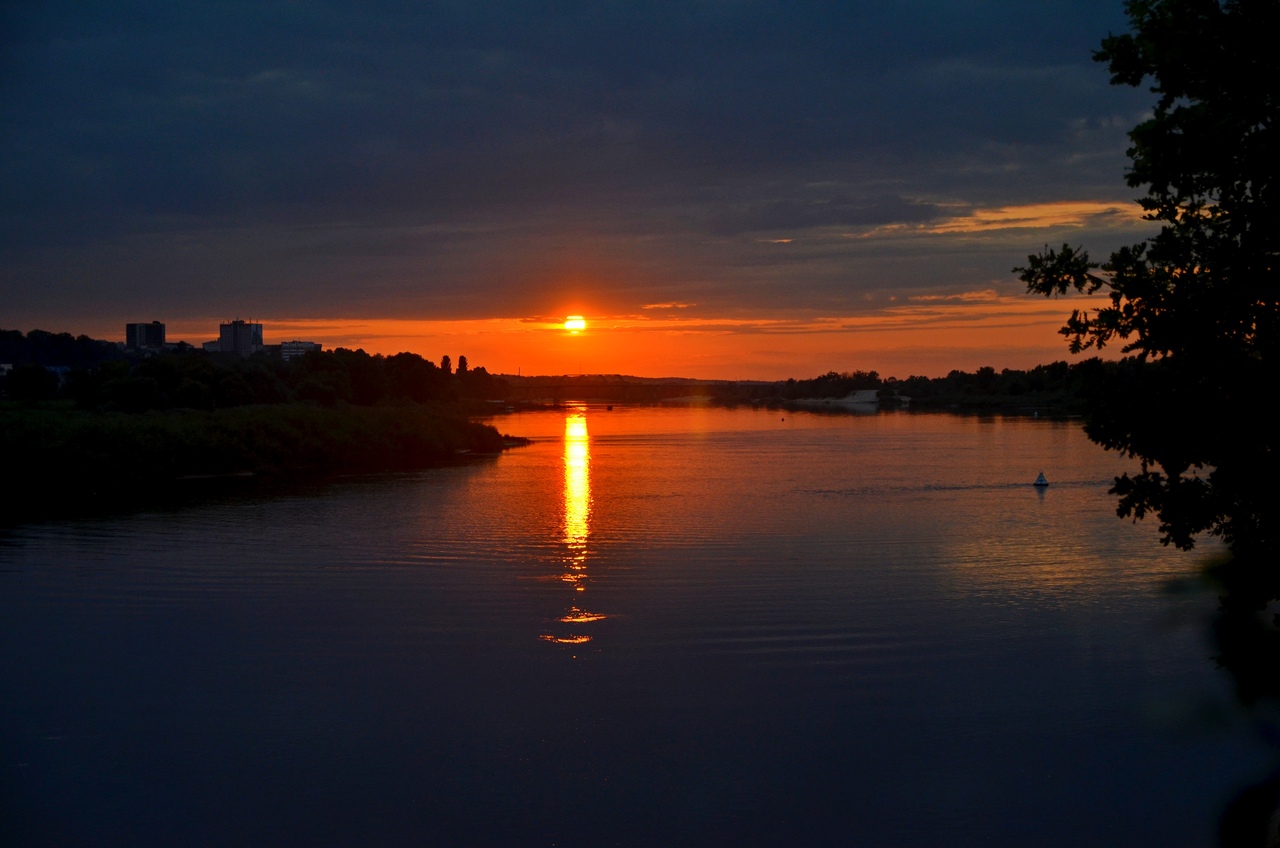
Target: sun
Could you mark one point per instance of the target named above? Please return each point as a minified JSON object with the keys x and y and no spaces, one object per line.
{"x":575,"y":324}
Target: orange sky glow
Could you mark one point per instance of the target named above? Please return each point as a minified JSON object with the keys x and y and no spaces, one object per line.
{"x":928,"y":335}
{"x":924,"y":329}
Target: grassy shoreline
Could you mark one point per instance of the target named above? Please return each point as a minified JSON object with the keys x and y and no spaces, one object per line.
{"x":57,"y":457}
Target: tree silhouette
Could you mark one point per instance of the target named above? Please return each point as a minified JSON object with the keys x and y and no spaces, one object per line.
{"x":1196,"y":305}
{"x":32,"y":382}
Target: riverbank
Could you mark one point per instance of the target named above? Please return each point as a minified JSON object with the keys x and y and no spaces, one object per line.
{"x":61,"y":458}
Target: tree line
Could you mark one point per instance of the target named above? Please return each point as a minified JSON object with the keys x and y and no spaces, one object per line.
{"x":1056,"y":384}
{"x":99,"y":376}
{"x":214,"y":415}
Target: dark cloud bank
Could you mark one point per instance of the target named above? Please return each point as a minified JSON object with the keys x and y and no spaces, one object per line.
{"x":454,"y":159}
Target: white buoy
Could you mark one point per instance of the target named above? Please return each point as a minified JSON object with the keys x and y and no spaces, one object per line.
{"x":1040,"y":481}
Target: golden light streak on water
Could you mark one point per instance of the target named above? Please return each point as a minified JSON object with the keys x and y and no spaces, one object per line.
{"x":577,"y":616}
{"x":577,"y":521}
{"x":577,"y":489}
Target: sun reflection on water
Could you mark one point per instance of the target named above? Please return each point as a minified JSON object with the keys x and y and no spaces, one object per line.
{"x":577,"y":492}
{"x":578,"y":616}
{"x":565,"y":640}
{"x":577,"y":521}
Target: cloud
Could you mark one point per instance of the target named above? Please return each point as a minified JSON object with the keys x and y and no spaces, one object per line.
{"x":812,"y":206}
{"x":1042,"y":216}
{"x":463,"y":160}
{"x":984,"y":296}
{"x":1032,"y":216}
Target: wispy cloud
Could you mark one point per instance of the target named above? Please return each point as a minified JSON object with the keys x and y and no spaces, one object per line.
{"x":1040,"y":216}
{"x":984,"y":296}
{"x":1074,"y":214}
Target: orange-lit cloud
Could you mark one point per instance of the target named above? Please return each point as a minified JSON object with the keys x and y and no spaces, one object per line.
{"x":1063,"y":214}
{"x":986,"y":295}
{"x":1041,"y":215}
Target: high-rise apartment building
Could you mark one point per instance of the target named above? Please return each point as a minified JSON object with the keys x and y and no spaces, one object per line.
{"x":144,"y":336}
{"x":240,"y":337}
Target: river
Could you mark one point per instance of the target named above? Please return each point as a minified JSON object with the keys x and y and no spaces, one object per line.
{"x":651,"y":626}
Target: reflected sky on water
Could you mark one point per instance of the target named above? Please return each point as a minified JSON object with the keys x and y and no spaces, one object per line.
{"x":650,"y":626}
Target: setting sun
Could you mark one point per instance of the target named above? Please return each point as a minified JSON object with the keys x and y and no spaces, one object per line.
{"x":575,"y":323}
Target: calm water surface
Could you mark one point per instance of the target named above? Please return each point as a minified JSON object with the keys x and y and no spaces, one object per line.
{"x":650,"y":627}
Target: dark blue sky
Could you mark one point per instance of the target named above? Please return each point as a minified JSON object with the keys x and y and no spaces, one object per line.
{"x":466,"y":159}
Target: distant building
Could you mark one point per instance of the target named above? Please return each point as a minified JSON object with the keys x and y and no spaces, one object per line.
{"x":240,"y":337}
{"x":292,"y":350}
{"x":214,"y":346}
{"x":144,"y":336}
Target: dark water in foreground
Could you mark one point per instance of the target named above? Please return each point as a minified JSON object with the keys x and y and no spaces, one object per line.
{"x":651,"y":627}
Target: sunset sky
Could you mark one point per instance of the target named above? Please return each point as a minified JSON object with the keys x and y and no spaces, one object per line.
{"x":723,"y":189}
